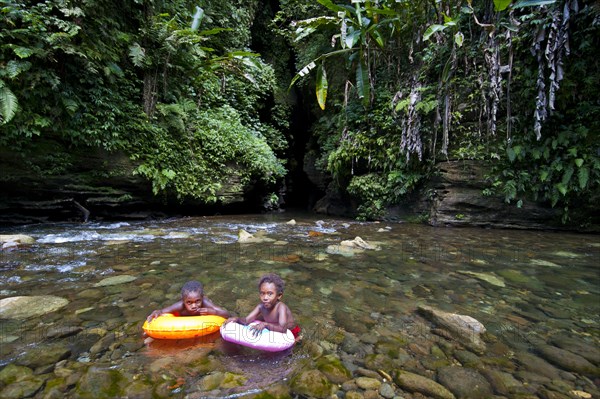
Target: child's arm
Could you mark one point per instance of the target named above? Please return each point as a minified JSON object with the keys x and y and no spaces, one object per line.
{"x":280,"y":326}
{"x":211,"y":308}
{"x":176,"y":307}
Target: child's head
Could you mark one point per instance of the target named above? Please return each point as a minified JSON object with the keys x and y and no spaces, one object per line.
{"x":192,"y":295}
{"x":273,"y":279}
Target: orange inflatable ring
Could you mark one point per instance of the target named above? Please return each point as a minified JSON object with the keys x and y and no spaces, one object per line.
{"x":168,"y":326}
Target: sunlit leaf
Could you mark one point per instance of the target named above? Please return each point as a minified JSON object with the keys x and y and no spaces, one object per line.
{"x":459,"y":38}
{"x":533,"y":3}
{"x":501,"y":5}
{"x":583,"y":175}
{"x":432,"y":29}
{"x":322,"y":86}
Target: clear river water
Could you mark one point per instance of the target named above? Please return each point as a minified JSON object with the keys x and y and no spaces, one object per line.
{"x":365,"y":334}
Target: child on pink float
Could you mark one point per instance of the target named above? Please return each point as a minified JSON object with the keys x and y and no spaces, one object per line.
{"x":270,"y":313}
{"x":193,"y":303}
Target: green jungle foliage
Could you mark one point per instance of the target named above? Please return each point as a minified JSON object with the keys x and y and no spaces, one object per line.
{"x":403,"y":84}
{"x":169,"y":83}
{"x":394,"y":86}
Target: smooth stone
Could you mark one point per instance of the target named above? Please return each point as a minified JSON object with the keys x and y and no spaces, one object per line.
{"x":312,"y":383}
{"x":468,"y":359}
{"x":358,"y":242}
{"x":465,"y":329}
{"x":487,"y":277}
{"x":378,"y":362}
{"x":503,"y":383}
{"x":16,"y":238}
{"x":568,"y":360}
{"x":101,"y":314}
{"x":43,"y":355}
{"x":343,"y":250}
{"x":23,"y":389}
{"x":464,"y":383}
{"x":585,"y":349}
{"x":354,"y":395}
{"x":417,"y":383}
{"x":115,"y":280}
{"x":387,"y":391}
{"x":368,"y":383}
{"x":23,"y":307}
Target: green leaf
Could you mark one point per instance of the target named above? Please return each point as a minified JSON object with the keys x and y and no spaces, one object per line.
{"x":567,"y":176}
{"x":583,"y":175}
{"x":137,"y":54}
{"x":561,"y":188}
{"x":22,"y":52}
{"x":352,"y":38}
{"x":8,"y":104}
{"x":432,"y":29}
{"x":362,"y":81}
{"x":459,"y":38}
{"x":544,"y":175}
{"x":322,"y":86}
{"x":501,"y":5}
{"x":579,"y":162}
{"x":533,"y":3}
{"x":511,"y":154}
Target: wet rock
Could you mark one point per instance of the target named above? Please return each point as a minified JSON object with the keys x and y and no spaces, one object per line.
{"x":387,"y":391}
{"x":487,"y":277}
{"x":354,"y":395}
{"x":312,"y":383}
{"x":13,"y":373}
{"x":368,"y":383}
{"x":101,"y":313}
{"x":360,"y":243}
{"x":343,"y":250}
{"x":247,"y":238}
{"x":585,"y":349}
{"x":464,"y":383}
{"x":63,"y":331}
{"x":115,"y":280}
{"x":43,"y":355}
{"x":220,"y":380}
{"x":332,"y":367}
{"x":24,"y":388}
{"x":55,"y":389}
{"x":568,"y":360}
{"x":371,"y":394}
{"x":100,"y":382}
{"x":417,"y":383}
{"x":503,"y":383}
{"x":102,"y":345}
{"x":378,"y":362}
{"x":549,"y":394}
{"x":468,"y":359}
{"x":537,"y":365}
{"x":23,"y":307}
{"x":16,"y":238}
{"x":465,"y":329}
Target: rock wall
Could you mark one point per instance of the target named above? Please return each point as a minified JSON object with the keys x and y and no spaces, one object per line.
{"x":57,"y":184}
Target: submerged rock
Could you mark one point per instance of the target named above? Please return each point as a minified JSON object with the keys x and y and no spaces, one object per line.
{"x":16,"y":238}
{"x":247,"y":238}
{"x":359,"y":243}
{"x":487,"y":277}
{"x":417,"y":383}
{"x":312,"y":383}
{"x":115,"y":280}
{"x":464,"y":383}
{"x":568,"y":360}
{"x":23,"y":307}
{"x":464,"y":329}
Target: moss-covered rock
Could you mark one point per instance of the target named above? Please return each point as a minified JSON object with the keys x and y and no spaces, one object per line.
{"x":334,"y":369}
{"x":417,"y":383}
{"x":12,"y":373}
{"x":312,"y":383}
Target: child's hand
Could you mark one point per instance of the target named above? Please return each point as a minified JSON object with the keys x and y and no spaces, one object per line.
{"x":257,"y":327}
{"x":154,"y":315}
{"x":232,"y":320}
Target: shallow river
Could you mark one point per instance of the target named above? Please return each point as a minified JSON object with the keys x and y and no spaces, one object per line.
{"x":372,"y":319}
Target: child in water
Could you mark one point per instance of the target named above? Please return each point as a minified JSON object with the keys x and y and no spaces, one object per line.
{"x":271,"y":313}
{"x":193,"y":303}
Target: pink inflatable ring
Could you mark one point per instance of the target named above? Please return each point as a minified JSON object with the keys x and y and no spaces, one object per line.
{"x":266,"y":340}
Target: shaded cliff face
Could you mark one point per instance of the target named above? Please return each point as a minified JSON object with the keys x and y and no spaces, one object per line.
{"x":51,"y":183}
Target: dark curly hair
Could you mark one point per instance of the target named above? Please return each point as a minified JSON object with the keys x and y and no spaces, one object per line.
{"x":192,"y":286}
{"x":274,"y":279}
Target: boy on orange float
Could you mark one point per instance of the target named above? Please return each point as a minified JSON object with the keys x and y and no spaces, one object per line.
{"x":193,"y":303}
{"x":270,"y":313}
